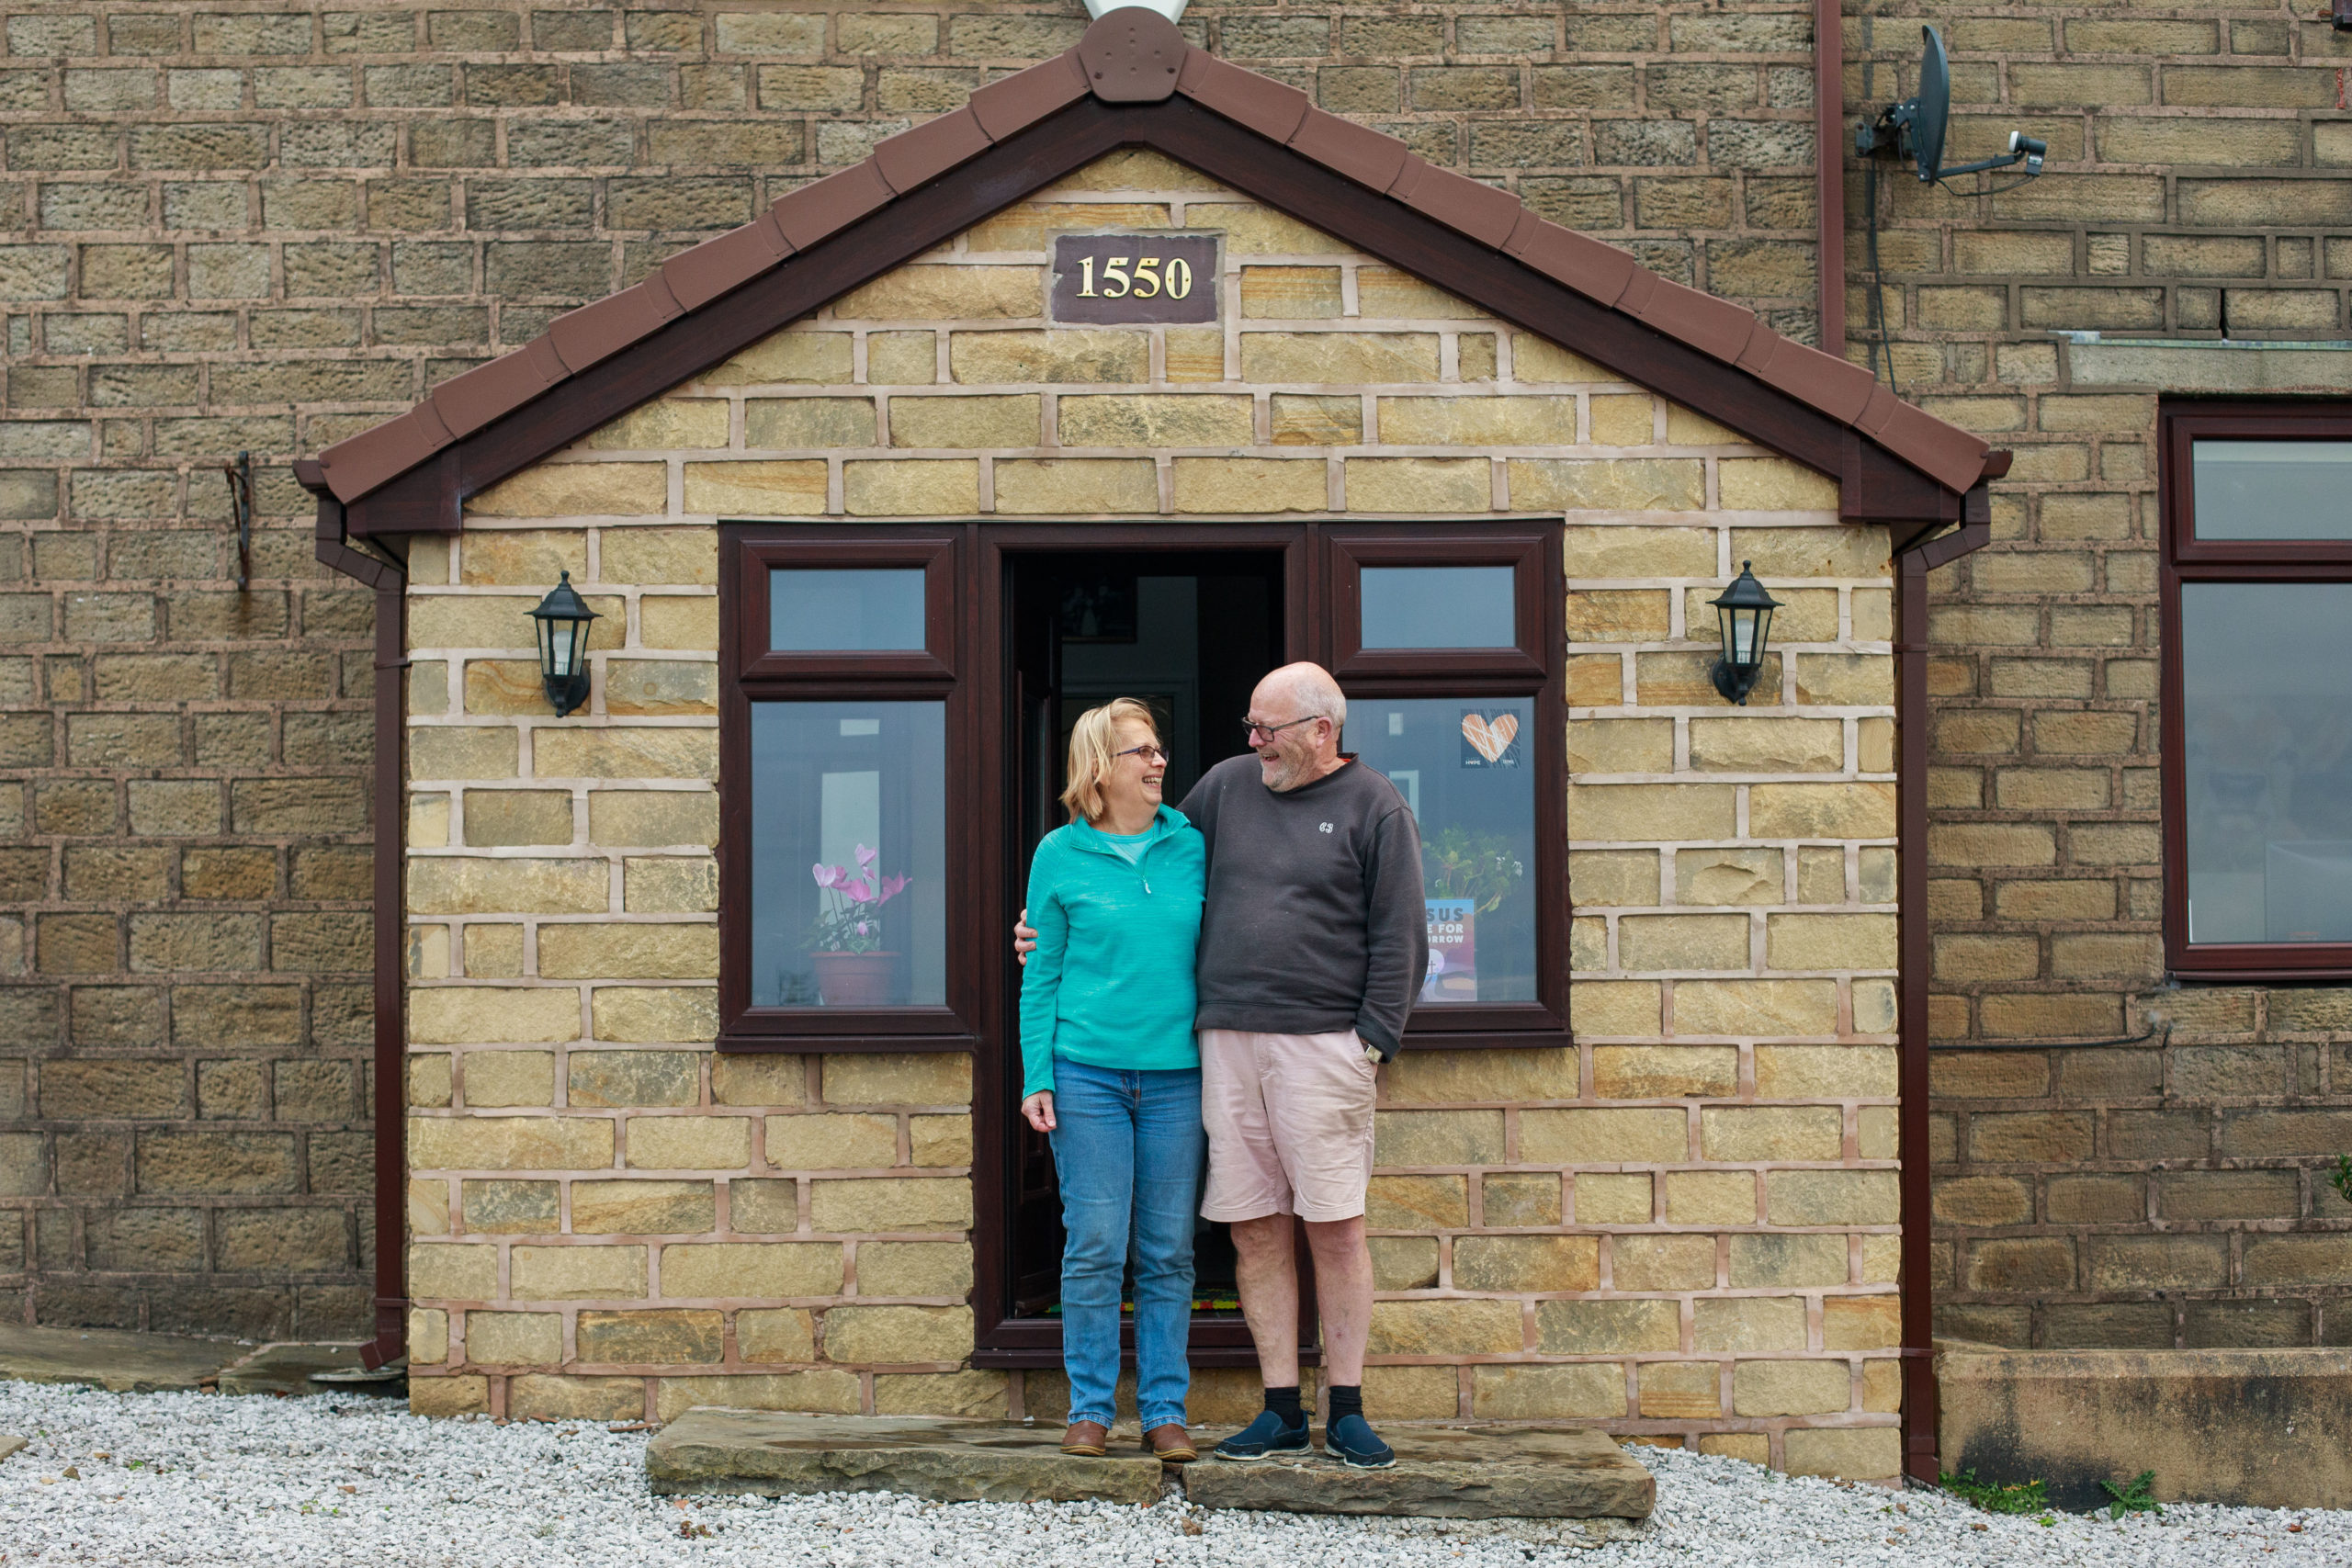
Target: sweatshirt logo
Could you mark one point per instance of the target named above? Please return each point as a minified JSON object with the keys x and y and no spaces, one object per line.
{"x":1324,"y":828}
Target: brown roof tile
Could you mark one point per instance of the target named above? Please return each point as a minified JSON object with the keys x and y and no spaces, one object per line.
{"x":831,"y":204}
{"x":1133,"y":50}
{"x":931,"y":149}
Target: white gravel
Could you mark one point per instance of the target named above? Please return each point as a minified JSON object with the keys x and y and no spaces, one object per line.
{"x":181,"y":1478}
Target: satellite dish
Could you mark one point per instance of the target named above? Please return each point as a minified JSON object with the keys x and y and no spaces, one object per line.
{"x":1931,"y":110}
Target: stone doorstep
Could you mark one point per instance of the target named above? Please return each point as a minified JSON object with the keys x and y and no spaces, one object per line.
{"x":1442,"y":1473}
{"x":1451,"y":1472}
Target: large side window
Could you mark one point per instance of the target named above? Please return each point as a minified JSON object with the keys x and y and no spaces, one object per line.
{"x":2257,"y":692}
{"x":1448,"y":642}
{"x":841,"y":876}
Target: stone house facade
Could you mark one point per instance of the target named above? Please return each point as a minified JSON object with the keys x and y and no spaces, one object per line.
{"x":230,"y":226}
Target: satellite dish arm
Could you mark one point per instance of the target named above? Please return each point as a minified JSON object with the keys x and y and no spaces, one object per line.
{"x":2023,"y":149}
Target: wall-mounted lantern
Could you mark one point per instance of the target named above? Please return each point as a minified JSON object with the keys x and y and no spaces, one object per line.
{"x":563,"y":618}
{"x":1746,"y":611}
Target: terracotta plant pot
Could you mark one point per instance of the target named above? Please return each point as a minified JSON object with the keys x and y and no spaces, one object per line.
{"x":854,"y":979}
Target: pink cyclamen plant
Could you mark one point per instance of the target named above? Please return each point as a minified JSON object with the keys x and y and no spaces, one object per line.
{"x":850,"y":903}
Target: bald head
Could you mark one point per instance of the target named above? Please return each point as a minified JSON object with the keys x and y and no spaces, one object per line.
{"x":1298,"y":690}
{"x":1304,"y":711}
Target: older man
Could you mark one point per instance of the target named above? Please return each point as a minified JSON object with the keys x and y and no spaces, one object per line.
{"x":1313,"y":945}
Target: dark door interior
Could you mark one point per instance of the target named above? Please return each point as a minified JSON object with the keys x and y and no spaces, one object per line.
{"x":1190,"y":633}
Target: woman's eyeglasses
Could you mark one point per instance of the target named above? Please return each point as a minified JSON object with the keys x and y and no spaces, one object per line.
{"x":1271,"y":731}
{"x":1149,"y":753}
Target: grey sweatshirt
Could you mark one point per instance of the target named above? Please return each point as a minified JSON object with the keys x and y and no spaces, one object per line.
{"x":1315,"y":921}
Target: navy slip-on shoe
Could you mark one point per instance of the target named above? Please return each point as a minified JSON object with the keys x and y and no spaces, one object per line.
{"x":1352,"y":1442}
{"x":1264,"y":1437}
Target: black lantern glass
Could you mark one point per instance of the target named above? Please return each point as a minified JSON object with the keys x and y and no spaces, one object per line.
{"x":1746,"y":613}
{"x":563,"y":618}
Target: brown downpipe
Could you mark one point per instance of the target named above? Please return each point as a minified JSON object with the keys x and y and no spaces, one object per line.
{"x":1829,"y":170}
{"x":1921,"y":1459}
{"x":390,"y":1339}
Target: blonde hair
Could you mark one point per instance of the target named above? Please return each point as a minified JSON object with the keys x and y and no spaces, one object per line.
{"x":1093,"y":748}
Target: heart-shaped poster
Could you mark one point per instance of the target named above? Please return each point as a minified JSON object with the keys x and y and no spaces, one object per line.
{"x":1490,"y":737}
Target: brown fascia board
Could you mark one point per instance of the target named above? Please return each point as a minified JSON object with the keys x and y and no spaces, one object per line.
{"x":1493,"y":218}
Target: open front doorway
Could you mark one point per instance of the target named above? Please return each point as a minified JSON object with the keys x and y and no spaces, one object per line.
{"x":1189,"y":633}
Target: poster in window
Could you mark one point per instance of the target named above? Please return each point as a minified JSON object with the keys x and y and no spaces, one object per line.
{"x":1491,"y":739}
{"x":1452,"y":974}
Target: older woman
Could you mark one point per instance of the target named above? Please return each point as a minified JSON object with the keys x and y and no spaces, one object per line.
{"x":1111,"y":1072}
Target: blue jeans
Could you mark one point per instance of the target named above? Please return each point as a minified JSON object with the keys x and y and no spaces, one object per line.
{"x":1127,"y":1147}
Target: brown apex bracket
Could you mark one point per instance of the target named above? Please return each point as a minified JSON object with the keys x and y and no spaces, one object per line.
{"x":1132,"y":56}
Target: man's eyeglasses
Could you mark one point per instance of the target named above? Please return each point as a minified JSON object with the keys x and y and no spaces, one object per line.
{"x":1149,"y":753}
{"x":1271,"y":731}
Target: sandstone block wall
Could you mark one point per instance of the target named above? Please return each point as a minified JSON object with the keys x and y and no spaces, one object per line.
{"x":263,"y":225}
{"x":1685,"y":1226}
{"x":2168,"y":1192}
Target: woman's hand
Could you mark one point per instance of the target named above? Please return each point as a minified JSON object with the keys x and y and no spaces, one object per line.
{"x":1038,"y":1110}
{"x":1024,"y":939}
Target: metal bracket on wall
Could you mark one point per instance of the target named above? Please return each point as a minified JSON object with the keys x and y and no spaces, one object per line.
{"x":240,"y":475}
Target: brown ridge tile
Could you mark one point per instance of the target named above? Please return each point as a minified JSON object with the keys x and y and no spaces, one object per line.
{"x":436,"y":429}
{"x":1996,"y":463}
{"x":1479,"y":210}
{"x":1022,"y":99}
{"x":1269,"y":107}
{"x":310,"y":473}
{"x":1711,"y":325}
{"x":1585,"y":264}
{"x":373,"y":457}
{"x":712,"y":268}
{"x":1945,"y":452}
{"x":1132,"y":55}
{"x":1877,"y":409}
{"x":1639,"y":285}
{"x":1835,"y":386}
{"x":931,"y":149}
{"x":467,"y":403}
{"x":815,"y":211}
{"x":1358,"y":152}
{"x":597,"y":331}
{"x":1522,"y":232}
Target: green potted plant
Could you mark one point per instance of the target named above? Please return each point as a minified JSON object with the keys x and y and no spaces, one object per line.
{"x":1465,"y":875}
{"x":854,"y":969}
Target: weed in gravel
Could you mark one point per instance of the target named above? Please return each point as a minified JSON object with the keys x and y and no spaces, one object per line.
{"x":2133,"y":1497}
{"x":2342,"y":1175}
{"x":1998,"y":1497}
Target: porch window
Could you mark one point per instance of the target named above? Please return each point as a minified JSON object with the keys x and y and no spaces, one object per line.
{"x":2257,"y":633}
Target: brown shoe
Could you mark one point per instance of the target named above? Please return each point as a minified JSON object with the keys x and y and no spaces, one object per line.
{"x":1170,"y":1445}
{"x":1086,"y":1439}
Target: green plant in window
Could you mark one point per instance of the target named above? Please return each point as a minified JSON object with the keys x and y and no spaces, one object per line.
{"x":1459,"y":863}
{"x":849,"y":917}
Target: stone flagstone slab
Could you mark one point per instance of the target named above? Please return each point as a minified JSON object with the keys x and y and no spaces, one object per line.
{"x":1477,"y":1472}
{"x":111,"y":1359}
{"x":772,"y":1454}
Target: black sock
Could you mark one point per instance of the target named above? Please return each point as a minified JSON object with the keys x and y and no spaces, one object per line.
{"x":1283,"y":1401}
{"x":1344,"y":1402}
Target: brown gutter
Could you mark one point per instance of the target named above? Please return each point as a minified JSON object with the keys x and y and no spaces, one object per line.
{"x":1829,"y":171}
{"x":390,"y":1340}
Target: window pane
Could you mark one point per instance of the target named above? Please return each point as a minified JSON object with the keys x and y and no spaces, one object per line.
{"x":2267,"y":737}
{"x":848,"y":830}
{"x":1438,"y":606}
{"x":1466,"y":766}
{"x":2273,"y":489}
{"x":860,"y":610}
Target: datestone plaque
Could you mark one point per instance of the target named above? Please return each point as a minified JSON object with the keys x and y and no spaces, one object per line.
{"x":1130,"y":279}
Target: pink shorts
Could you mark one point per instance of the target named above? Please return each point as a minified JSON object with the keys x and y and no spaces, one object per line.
{"x":1289,"y":1119}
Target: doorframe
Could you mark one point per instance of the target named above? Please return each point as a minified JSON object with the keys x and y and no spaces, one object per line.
{"x":1001,"y":1339}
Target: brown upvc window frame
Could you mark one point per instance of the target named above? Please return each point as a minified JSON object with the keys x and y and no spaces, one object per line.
{"x":749,"y":673}
{"x":2187,"y":558}
{"x":1533,"y":667}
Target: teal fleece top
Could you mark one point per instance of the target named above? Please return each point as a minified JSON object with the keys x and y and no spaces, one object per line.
{"x":1111,"y":983}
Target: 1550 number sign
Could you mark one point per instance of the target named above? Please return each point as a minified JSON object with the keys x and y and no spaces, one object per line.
{"x":1136,"y":278}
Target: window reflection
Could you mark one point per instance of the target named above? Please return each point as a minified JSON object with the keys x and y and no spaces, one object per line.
{"x":2273,"y":489}
{"x":1438,"y":606}
{"x":849,"y":816}
{"x":857,"y":610}
{"x":2267,"y":737}
{"x":1466,"y":766}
